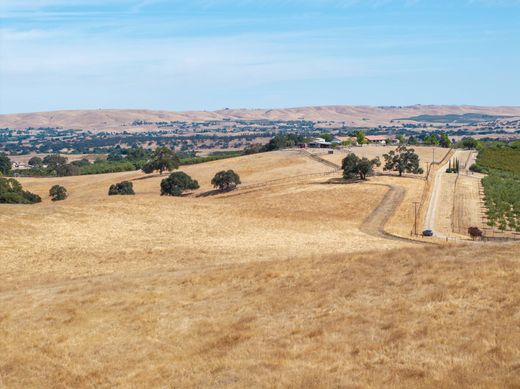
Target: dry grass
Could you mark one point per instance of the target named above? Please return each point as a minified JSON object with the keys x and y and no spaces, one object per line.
{"x":444,"y":317}
{"x":265,"y":287}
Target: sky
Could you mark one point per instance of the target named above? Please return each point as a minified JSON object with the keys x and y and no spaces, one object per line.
{"x":212,"y":54}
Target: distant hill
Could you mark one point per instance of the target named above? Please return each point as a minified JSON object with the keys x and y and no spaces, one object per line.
{"x":118,"y":119}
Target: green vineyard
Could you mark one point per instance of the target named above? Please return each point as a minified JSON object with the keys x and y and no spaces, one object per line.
{"x":501,"y":186}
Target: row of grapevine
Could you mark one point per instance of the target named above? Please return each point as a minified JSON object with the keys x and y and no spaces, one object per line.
{"x":502,"y":187}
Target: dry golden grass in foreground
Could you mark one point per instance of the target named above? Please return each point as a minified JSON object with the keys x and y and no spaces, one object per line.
{"x":268,"y":286}
{"x":426,"y":317}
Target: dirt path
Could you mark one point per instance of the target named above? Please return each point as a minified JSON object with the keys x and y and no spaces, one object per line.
{"x":374,"y":224}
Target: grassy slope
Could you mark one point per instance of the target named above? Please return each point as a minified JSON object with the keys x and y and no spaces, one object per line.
{"x":256,"y":288}
{"x":444,"y":317}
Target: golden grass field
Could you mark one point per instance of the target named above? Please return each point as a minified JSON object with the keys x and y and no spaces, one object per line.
{"x":273,"y":285}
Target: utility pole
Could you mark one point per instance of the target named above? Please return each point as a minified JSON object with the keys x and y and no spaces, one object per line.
{"x":415,"y":203}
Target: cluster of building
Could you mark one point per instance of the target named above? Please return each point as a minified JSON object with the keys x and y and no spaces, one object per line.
{"x":320,"y":143}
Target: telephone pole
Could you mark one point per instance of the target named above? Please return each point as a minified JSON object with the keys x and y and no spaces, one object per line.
{"x":415,"y":203}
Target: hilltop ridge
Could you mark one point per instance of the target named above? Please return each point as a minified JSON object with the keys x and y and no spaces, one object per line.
{"x":119,"y":119}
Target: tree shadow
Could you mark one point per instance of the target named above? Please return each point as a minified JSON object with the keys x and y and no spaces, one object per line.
{"x":214,"y":192}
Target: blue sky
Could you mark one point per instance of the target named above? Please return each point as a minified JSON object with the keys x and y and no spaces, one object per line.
{"x":211,"y":54}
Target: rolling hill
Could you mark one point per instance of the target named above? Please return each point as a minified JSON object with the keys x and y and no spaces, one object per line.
{"x":118,"y":119}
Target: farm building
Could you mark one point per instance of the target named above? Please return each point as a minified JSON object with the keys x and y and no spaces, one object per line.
{"x":320,"y":143}
{"x":381,"y":139}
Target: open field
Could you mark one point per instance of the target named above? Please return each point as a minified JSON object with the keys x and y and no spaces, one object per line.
{"x":289,"y":281}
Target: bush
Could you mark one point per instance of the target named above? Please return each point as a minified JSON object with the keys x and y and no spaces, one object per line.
{"x":58,"y":193}
{"x":177,"y":183}
{"x":123,"y":188}
{"x":475,"y":232}
{"x":11,"y":192}
{"x":226,"y":180}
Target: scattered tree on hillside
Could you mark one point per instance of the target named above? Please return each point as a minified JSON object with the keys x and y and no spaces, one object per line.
{"x":162,"y":159}
{"x":11,"y":192}
{"x":122,"y":188}
{"x":35,"y":161}
{"x":5,"y":165}
{"x":353,"y":166}
{"x":226,"y":180}
{"x":402,"y":160}
{"x":58,"y":193}
{"x":177,"y":183}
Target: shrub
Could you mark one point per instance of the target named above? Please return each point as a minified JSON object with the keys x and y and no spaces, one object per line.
{"x":226,"y":180}
{"x":11,"y":192}
{"x":474,"y":232}
{"x":58,"y":193}
{"x":123,"y":188}
{"x":177,"y":183}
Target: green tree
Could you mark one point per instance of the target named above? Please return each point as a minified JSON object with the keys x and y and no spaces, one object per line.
{"x":431,"y":140}
{"x":353,"y":167}
{"x":67,"y":170}
{"x":470,"y":143}
{"x":401,"y":139}
{"x":80,"y":163}
{"x":122,"y":188}
{"x":402,"y":160}
{"x":58,"y":193}
{"x":445,"y":140}
{"x":11,"y":192}
{"x":177,"y":183}
{"x":226,"y":180}
{"x":35,"y":161}
{"x":162,"y":159}
{"x":5,"y":165}
{"x":54,"y":160}
{"x":361,"y":138}
{"x":114,"y":156}
{"x":327,"y":137}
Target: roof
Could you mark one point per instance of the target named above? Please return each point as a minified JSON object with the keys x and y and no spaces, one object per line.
{"x":375,"y":138}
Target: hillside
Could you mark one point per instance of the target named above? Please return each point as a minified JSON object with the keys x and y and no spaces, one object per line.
{"x":153,"y":291}
{"x":113,"y":119}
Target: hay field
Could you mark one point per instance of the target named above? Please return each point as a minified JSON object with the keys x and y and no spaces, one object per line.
{"x":268,"y":286}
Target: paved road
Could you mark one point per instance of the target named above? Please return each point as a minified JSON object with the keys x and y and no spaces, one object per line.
{"x":431,"y":214}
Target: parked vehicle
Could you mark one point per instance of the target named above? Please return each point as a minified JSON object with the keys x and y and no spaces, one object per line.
{"x":427,"y":233}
